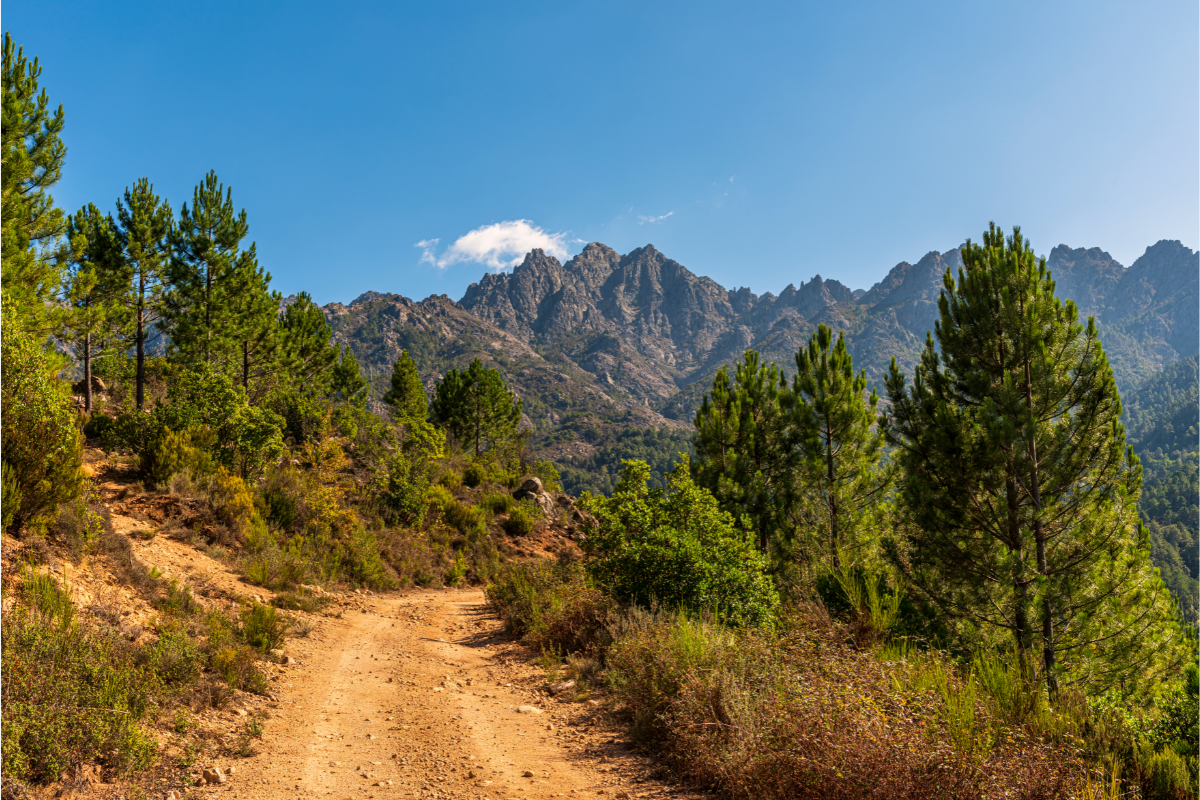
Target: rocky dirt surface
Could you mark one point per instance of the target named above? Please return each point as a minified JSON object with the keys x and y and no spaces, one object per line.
{"x":419,"y":695}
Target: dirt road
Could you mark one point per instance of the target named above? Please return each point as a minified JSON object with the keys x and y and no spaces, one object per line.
{"x":420,"y":696}
{"x":416,"y":693}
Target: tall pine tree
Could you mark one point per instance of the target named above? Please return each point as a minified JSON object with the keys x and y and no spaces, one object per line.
{"x":346,"y":381}
{"x":208,"y":275}
{"x":93,"y":289}
{"x":145,"y":227}
{"x":477,"y":408}
{"x":306,"y":352}
{"x":32,"y":163}
{"x":255,"y":325}
{"x":742,"y":451}
{"x":1018,"y":483}
{"x":405,"y":397}
{"x":838,"y":444}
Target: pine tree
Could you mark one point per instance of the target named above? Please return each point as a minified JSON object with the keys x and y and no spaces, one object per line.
{"x":346,"y":381}
{"x":838,"y":445}
{"x":742,"y":454}
{"x":94,"y":287}
{"x":406,"y":397}
{"x":477,"y":408}
{"x":145,"y":227}
{"x":1018,"y":483}
{"x":255,"y":323}
{"x":306,"y":353}
{"x":31,"y":239}
{"x":208,"y":273}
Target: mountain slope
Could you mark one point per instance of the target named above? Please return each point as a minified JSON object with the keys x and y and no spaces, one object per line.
{"x":614,"y":342}
{"x":572,"y":415}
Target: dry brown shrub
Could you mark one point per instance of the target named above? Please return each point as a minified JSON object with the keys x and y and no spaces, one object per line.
{"x":803,"y":714}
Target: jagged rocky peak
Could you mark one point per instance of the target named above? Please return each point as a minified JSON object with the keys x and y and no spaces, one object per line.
{"x":1087,"y":275}
{"x":742,"y":299}
{"x":367,"y":297}
{"x":907,"y":282}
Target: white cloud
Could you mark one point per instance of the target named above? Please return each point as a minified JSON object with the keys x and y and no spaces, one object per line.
{"x":499,"y":246}
{"x":653,"y":220}
{"x":427,"y":246}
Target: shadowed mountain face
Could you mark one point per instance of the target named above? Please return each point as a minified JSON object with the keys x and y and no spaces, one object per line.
{"x":634,"y":340}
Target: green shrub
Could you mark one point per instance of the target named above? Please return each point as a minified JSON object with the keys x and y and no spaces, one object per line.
{"x":363,"y":564}
{"x":497,"y":502}
{"x":548,"y":474}
{"x":263,"y":628}
{"x":230,"y":656}
{"x":241,"y":437}
{"x":678,"y":549}
{"x":440,"y":497}
{"x":169,"y":453}
{"x":231,"y":500}
{"x":498,"y":474}
{"x":98,"y":425}
{"x":451,"y":480}
{"x":178,"y":601}
{"x":1168,"y":775}
{"x":175,"y":659}
{"x":299,"y":601}
{"x":650,"y":664}
{"x":458,"y":570}
{"x":467,"y":520}
{"x":280,"y":508}
{"x":474,"y":475}
{"x":553,"y":606}
{"x":42,"y":447}
{"x":305,"y":417}
{"x":279,"y":569}
{"x":402,"y":493}
{"x":236,"y":665}
{"x":70,"y":694}
{"x":81,"y":522}
{"x":521,"y":520}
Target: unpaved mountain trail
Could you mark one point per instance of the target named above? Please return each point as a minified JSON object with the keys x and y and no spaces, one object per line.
{"x":415,"y":693}
{"x":419,"y":690}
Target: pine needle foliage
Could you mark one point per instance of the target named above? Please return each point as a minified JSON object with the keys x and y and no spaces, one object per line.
{"x":477,"y":408}
{"x":742,"y":453}
{"x":1019,"y":489}
{"x":405,"y":396}
{"x":33,"y":157}
{"x":838,"y":444}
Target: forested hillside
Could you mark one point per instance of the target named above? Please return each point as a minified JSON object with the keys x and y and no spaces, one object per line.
{"x":1163,"y":421}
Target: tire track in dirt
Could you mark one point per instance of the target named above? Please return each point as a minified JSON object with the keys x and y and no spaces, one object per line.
{"x":422,"y":690}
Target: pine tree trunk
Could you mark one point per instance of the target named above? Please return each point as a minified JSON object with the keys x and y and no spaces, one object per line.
{"x":87,"y":372}
{"x":1020,"y":582}
{"x":208,"y":314}
{"x":141,"y":355}
{"x":833,"y":531}
{"x":1039,"y":538}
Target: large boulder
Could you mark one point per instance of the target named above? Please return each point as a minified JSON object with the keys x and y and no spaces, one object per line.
{"x":545,"y":503}
{"x":529,"y":489}
{"x":80,"y":387}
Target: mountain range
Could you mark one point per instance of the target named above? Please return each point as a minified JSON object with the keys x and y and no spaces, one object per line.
{"x":633,"y":340}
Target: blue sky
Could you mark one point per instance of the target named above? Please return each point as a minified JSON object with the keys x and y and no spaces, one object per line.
{"x":757,"y":143}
